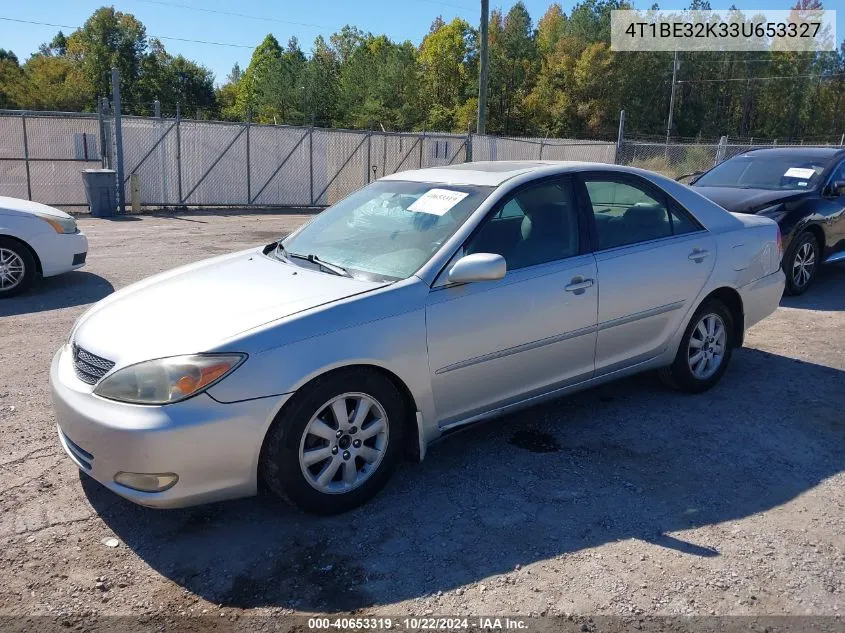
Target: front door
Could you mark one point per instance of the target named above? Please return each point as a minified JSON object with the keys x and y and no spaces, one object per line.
{"x":493,"y":343}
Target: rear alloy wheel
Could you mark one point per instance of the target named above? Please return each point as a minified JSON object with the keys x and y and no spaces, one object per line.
{"x":17,"y":268}
{"x":802,"y":263}
{"x":704,"y":351}
{"x":336,"y":442}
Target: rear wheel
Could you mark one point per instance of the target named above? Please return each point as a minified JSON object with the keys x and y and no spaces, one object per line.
{"x":17,"y":267}
{"x":705,"y":349}
{"x":801,"y":263}
{"x":336,"y":443}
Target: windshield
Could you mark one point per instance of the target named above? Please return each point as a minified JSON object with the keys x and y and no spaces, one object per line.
{"x":750,"y":171}
{"x":387,"y":230}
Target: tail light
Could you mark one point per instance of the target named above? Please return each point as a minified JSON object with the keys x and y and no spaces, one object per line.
{"x":780,"y":242}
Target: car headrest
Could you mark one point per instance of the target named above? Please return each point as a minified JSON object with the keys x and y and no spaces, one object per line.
{"x":644,"y":215}
{"x":543,"y":220}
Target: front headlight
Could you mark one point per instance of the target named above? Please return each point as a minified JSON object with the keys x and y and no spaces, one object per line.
{"x":775,"y":212}
{"x":60,"y":225}
{"x":167,"y":380}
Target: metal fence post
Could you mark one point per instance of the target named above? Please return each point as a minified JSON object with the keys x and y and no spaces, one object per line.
{"x":118,"y":139}
{"x":248,"y":183}
{"x":311,"y":158}
{"x":101,"y":123}
{"x":720,"y":150}
{"x":369,"y":154}
{"x":26,"y":158}
{"x":620,"y":137}
{"x":422,"y":143}
{"x":468,"y":150}
{"x":179,"y":151}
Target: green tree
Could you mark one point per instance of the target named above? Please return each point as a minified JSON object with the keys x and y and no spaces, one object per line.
{"x":513,"y":53}
{"x":11,"y":80}
{"x":320,"y":84}
{"x":443,"y":60}
{"x":550,"y":29}
{"x":250,"y":102}
{"x":109,"y":39}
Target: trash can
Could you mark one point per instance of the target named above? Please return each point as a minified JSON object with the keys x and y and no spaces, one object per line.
{"x":101,"y":191}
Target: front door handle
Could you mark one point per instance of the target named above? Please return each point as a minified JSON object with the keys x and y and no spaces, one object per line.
{"x":698,"y":255}
{"x":579,"y":285}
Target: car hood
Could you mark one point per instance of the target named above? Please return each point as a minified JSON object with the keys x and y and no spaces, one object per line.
{"x":747,"y":200}
{"x":200,"y":307}
{"x":16,"y":206}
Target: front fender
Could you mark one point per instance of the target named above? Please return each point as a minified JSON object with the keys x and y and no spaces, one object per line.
{"x":396,"y":343}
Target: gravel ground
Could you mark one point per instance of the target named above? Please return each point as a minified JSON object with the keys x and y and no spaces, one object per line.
{"x":625,"y":499}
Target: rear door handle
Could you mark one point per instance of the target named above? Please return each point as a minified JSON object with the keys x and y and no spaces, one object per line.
{"x":698,"y":255}
{"x":579,"y":285}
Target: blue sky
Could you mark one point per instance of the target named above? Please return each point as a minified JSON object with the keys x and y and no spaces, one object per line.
{"x":399,"y":19}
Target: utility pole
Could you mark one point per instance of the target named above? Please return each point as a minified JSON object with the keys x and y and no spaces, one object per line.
{"x":118,"y":139}
{"x":483,"y":68}
{"x":672,"y":100}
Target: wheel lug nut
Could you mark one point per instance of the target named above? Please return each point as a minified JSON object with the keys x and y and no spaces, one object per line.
{"x":353,"y":430}
{"x":346,"y":455}
{"x":334,"y":450}
{"x":357,"y":443}
{"x":339,"y":434}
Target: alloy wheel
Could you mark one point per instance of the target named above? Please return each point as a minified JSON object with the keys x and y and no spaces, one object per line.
{"x":12,"y":269}
{"x":707,"y":344}
{"x":344,"y":443}
{"x":803,"y":264}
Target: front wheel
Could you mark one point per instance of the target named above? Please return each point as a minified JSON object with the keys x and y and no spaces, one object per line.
{"x":336,"y":443}
{"x":705,"y":349}
{"x":17,"y":268}
{"x":801,"y":263}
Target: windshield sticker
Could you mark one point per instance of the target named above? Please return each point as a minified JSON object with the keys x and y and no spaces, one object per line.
{"x":800,"y":172}
{"x":437,"y":201}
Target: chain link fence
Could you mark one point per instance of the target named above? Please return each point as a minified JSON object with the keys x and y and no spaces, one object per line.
{"x":41,"y":155}
{"x":684,"y":157}
{"x":177,"y":162}
{"x":511,"y":148}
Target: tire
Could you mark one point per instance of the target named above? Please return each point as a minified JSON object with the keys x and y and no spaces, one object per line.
{"x":680,"y":374}
{"x":17,"y":267}
{"x":296,"y":438}
{"x":800,"y":275}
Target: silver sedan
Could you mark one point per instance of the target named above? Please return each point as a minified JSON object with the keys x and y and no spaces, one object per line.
{"x":425,"y":301}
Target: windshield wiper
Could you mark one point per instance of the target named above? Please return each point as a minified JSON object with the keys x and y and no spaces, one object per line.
{"x":332,"y":268}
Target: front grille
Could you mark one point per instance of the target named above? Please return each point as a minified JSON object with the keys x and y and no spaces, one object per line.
{"x":80,"y":454}
{"x":89,"y":367}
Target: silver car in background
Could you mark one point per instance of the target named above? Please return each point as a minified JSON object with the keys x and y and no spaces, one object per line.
{"x":425,"y":301}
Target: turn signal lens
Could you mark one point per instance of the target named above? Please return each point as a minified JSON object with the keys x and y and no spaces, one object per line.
{"x":167,"y":380}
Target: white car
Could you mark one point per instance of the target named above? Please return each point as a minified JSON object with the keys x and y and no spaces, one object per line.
{"x":36,"y":240}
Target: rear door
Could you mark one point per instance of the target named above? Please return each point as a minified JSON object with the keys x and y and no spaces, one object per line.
{"x":652,"y":257}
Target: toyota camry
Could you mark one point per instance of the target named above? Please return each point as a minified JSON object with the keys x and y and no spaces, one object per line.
{"x":426,"y":301}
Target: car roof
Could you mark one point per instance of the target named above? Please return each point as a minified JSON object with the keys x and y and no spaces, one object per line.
{"x":799,"y":150}
{"x":494,"y":173}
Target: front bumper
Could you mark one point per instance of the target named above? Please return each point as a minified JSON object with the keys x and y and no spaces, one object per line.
{"x":213,"y":447}
{"x":60,"y":252}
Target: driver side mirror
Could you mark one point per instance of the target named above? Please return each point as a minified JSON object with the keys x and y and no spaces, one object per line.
{"x":478,"y":267}
{"x":837,"y":188}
